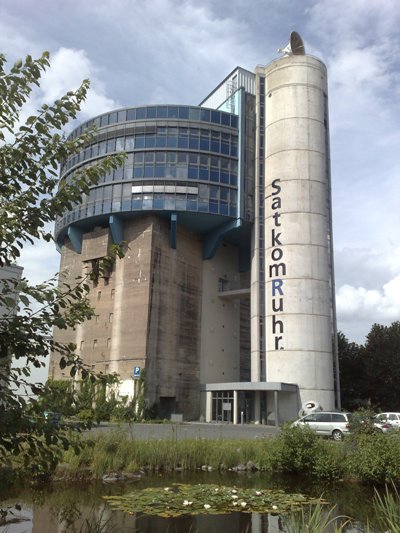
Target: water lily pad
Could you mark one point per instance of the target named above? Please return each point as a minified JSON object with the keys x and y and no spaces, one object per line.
{"x":207,"y":499}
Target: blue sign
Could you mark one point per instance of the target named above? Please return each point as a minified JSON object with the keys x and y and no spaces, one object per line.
{"x":136,"y":372}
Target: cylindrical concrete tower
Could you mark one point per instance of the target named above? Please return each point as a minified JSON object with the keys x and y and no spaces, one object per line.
{"x":300,"y":325}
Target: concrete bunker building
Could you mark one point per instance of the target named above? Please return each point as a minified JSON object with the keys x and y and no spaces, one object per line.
{"x":226,"y":293}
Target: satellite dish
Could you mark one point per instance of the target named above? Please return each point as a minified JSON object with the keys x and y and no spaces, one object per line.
{"x":295,"y":46}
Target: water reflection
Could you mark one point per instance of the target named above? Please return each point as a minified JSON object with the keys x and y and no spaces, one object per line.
{"x":69,"y":508}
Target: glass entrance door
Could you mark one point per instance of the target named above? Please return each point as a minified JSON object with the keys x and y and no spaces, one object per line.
{"x":222,"y":407}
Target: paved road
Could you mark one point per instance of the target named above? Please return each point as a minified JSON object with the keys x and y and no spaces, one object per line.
{"x":190,"y":430}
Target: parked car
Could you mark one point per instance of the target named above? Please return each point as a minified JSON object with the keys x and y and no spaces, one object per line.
{"x":328,"y":423}
{"x":382,"y":425}
{"x":392,"y":418}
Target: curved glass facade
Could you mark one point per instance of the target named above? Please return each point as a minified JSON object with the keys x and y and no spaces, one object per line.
{"x":179,"y":158}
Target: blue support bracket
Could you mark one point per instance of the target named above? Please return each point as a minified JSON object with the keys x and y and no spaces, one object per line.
{"x":213,"y":238}
{"x":116,"y":228}
{"x":75,"y":236}
{"x":174,"y":228}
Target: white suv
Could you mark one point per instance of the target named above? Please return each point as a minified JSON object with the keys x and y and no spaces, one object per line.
{"x":328,"y":423}
{"x":392,"y":418}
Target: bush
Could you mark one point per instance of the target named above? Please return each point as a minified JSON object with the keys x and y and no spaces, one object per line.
{"x":293,"y":450}
{"x":85,"y":415}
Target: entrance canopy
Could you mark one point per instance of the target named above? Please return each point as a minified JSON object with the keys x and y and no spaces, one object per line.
{"x":255,"y":390}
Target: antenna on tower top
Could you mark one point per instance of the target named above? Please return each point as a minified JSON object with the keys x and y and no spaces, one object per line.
{"x":295,"y":46}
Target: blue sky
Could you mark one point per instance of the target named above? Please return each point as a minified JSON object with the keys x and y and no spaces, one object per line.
{"x":171,"y":51}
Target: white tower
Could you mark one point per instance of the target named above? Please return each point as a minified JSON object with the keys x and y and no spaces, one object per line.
{"x":299,"y":304}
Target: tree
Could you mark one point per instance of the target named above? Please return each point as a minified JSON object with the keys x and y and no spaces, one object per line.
{"x":352,"y":373}
{"x":31,"y":199}
{"x":382,"y":366}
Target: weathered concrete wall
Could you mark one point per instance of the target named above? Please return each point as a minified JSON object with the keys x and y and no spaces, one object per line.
{"x":172,"y":365}
{"x":220,"y":327}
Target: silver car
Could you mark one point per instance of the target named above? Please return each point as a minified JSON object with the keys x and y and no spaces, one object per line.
{"x":328,"y":423}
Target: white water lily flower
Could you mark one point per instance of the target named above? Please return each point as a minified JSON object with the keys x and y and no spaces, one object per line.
{"x":234,"y":497}
{"x":258,"y":493}
{"x":274,"y":507}
{"x":243,"y":504}
{"x":216,"y":490}
{"x":234,"y":503}
{"x":166,"y":488}
{"x":187,"y":502}
{"x":207,"y":506}
{"x":234,"y":491}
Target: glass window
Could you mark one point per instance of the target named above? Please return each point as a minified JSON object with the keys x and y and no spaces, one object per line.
{"x":111,"y":145}
{"x":182,"y":157}
{"x":172,"y":141}
{"x":204,"y":161}
{"x":102,"y":147}
{"x":214,"y":175}
{"x":171,"y":157}
{"x":169,"y":201}
{"x":122,"y":115}
{"x":139,"y":158}
{"x":205,"y":115}
{"x":194,"y":113}
{"x":181,"y":203}
{"x":161,"y":141}
{"x":131,"y":114}
{"x":214,"y":146}
{"x":224,"y":177}
{"x":225,"y":119}
{"x":113,"y":117}
{"x":138,"y":172}
{"x":214,"y":192}
{"x":225,"y":148}
{"x":170,"y":171}
{"x":193,"y":173}
{"x":194,"y":143}
{"x":139,"y":141}
{"x":119,"y":144}
{"x":224,"y":194}
{"x":213,"y":206}
{"x":192,"y":204}
{"x":233,"y":179}
{"x":172,"y":112}
{"x":117,"y":190}
{"x":161,"y":111}
{"x":234,"y":121}
{"x":204,"y":144}
{"x":104,"y":120}
{"x":204,"y":174}
{"x":158,"y":201}
{"x":148,"y":202}
{"x":215,"y":117}
{"x":140,"y":113}
{"x":129,"y":143}
{"x":150,"y":141}
{"x":107,"y":192}
{"x":182,"y":172}
{"x":337,"y":417}
{"x":129,"y":160}
{"x":193,"y":159}
{"x":148,"y":171}
{"x":128,"y":173}
{"x":159,"y":172}
{"x":151,"y":112}
{"x":183,"y":112}
{"x":149,"y":157}
{"x":160,"y":157}
{"x":183,"y":142}
{"x":118,"y":174}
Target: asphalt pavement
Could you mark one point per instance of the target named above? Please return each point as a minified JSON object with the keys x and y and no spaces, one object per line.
{"x":189,"y":430}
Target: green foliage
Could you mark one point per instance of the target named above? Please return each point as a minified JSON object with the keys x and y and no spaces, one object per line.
{"x":180,"y":500}
{"x":373,"y":458}
{"x":294,"y":450}
{"x":387,"y":509}
{"x":316,"y":518}
{"x":370,"y":374}
{"x":30,"y":200}
{"x":58,"y":396}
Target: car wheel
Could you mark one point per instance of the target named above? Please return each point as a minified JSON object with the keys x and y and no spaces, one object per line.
{"x":337,"y":435}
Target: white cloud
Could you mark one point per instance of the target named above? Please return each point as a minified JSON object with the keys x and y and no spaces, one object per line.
{"x":360,"y":303}
{"x":69,"y":68}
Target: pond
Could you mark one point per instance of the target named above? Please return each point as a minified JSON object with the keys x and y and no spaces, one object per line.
{"x":61,"y":507}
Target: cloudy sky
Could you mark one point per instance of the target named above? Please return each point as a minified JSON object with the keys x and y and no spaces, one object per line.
{"x":176,"y":51}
